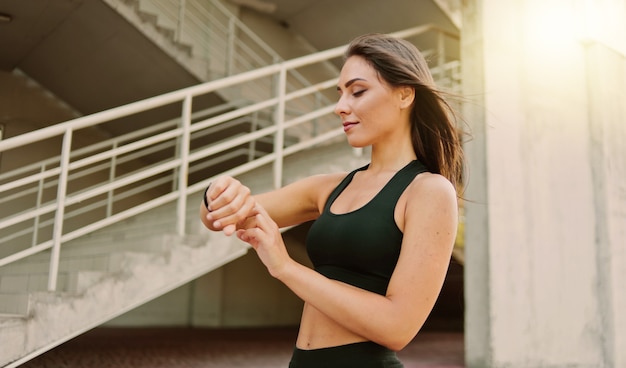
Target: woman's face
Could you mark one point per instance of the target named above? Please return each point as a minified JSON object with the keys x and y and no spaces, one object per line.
{"x":371,"y":111}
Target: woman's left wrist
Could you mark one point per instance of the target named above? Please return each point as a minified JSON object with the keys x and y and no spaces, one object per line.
{"x":284,"y":271}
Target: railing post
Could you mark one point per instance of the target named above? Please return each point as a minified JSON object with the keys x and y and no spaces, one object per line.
{"x":230,"y":47}
{"x":39,"y":200}
{"x":279,"y":138}
{"x":316,"y":121}
{"x":177,"y":148}
{"x":252,"y":145}
{"x":60,"y":212}
{"x":111,"y":179}
{"x":441,"y":55}
{"x":181,"y":211}
{"x":181,"y":19}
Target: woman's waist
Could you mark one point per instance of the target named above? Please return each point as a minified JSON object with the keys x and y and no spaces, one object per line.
{"x":318,"y":331}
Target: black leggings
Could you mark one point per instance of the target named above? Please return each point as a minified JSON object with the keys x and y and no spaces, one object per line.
{"x":361,"y":354}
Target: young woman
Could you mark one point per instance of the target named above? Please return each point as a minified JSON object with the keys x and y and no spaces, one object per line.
{"x":383,"y":234}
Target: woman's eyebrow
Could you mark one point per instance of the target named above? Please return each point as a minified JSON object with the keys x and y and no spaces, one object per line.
{"x":350,"y":82}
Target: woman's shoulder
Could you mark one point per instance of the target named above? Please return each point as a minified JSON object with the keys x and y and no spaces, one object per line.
{"x":430,"y":198}
{"x":430,"y":185}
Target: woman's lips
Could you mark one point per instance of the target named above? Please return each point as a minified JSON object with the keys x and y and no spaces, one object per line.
{"x":348,"y":125}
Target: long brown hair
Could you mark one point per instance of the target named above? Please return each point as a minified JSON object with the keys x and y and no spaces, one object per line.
{"x":434,"y":131}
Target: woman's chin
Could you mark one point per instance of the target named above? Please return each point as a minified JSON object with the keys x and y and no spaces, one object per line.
{"x":357,"y":143}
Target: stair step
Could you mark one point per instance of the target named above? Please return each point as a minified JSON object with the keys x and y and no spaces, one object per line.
{"x":10,"y":318}
{"x":12,"y":336}
{"x":126,"y":261}
{"x":79,"y":282}
{"x":15,"y":301}
{"x":94,"y":253}
{"x":75,"y":282}
{"x":79,"y":268}
{"x":15,"y":304}
{"x":166,"y":30}
{"x":35,"y":265}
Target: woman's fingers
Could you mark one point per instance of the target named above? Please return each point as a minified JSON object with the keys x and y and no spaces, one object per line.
{"x":230,"y":202}
{"x":233,"y":214}
{"x":216,"y":188}
{"x":258,"y":209}
{"x":262,"y":233}
{"x":251,"y":236}
{"x":231,"y":207}
{"x":224,"y":191}
{"x":256,"y":226}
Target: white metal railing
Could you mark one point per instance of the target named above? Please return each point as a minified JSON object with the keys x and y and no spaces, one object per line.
{"x":103,"y":165}
{"x":172,"y":159}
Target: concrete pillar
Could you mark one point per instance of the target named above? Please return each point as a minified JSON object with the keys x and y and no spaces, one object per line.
{"x":606,"y":83}
{"x":546,"y":210}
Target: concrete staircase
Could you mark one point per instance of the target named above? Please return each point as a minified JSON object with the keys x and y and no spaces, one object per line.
{"x":113,"y":270}
{"x":102,"y":275}
{"x":161,"y":34}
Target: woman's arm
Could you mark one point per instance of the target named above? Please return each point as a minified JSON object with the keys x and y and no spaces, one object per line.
{"x":231,"y":202}
{"x":429,"y":224}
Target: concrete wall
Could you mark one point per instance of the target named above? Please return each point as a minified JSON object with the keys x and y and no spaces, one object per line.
{"x":606,"y":76}
{"x":546,"y":216}
{"x":25,"y":106}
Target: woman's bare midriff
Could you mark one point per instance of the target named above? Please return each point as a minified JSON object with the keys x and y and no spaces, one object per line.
{"x":318,"y":331}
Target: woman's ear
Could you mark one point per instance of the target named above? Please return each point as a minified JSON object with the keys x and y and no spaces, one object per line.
{"x":407,"y":95}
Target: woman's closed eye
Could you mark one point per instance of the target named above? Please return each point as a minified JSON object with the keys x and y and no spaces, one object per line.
{"x":358,"y":93}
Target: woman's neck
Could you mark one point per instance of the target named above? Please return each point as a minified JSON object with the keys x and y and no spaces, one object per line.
{"x":391,"y":158}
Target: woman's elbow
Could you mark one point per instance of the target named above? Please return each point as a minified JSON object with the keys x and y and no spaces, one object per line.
{"x":403,"y":334}
{"x":397,"y":343}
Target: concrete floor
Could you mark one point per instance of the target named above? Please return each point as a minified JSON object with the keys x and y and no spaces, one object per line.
{"x":207,"y":348}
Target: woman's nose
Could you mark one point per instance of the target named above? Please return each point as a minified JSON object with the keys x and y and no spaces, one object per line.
{"x":341,"y":108}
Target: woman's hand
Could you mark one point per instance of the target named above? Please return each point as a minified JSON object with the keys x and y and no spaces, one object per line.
{"x":262,"y":233}
{"x":230,"y":203}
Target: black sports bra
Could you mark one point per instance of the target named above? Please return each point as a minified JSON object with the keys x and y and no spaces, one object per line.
{"x":361,"y":247}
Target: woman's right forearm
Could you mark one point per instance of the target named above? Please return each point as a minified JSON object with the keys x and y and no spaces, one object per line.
{"x":230,"y":202}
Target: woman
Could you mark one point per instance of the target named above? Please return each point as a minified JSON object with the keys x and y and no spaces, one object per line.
{"x":383,"y":234}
